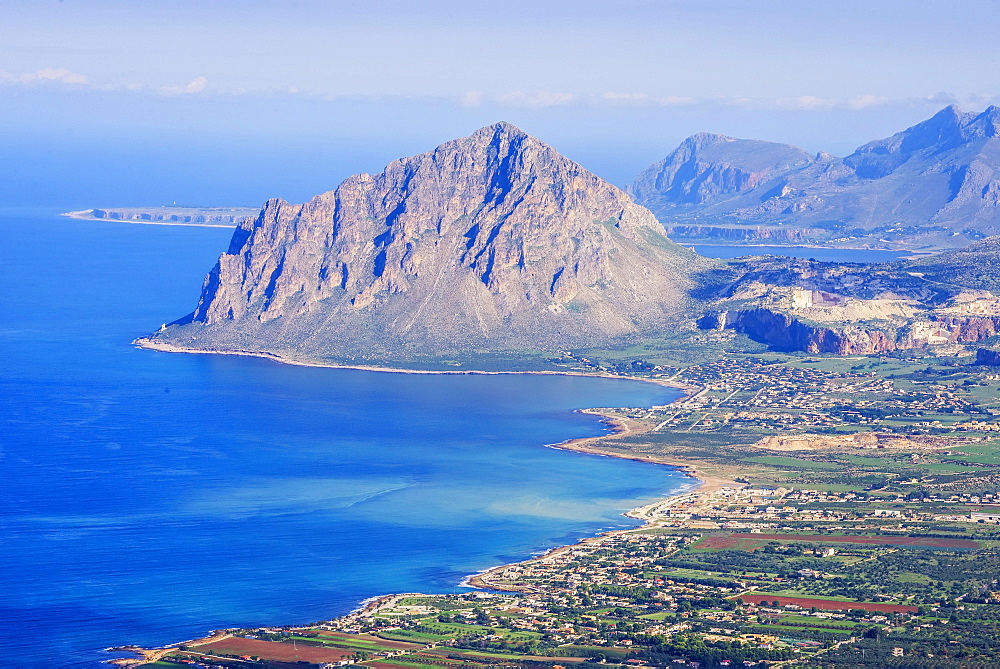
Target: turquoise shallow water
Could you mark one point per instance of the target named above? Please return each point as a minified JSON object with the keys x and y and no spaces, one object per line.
{"x":147,"y":497}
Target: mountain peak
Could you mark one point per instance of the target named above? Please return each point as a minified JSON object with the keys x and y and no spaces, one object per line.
{"x":985,"y":125}
{"x":505,"y":127}
{"x":708,"y":166}
{"x":497,"y":131}
{"x":949,"y":114}
{"x":702,"y":139}
{"x":944,"y":131}
{"x":991,"y":112}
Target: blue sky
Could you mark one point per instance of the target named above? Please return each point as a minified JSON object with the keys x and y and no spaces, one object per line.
{"x":237,"y":101}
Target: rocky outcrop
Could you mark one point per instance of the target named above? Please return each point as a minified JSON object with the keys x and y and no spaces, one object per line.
{"x":212,"y":215}
{"x":782,"y":332}
{"x":494,"y":242}
{"x":707,"y":167}
{"x":936,"y":184}
{"x":968,"y":329}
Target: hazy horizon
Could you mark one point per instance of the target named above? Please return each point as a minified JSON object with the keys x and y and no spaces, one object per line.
{"x":233,"y":103}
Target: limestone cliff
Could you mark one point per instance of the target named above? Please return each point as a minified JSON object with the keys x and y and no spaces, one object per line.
{"x":852,"y":308}
{"x":708,"y":167}
{"x":782,"y":332}
{"x":494,"y":242}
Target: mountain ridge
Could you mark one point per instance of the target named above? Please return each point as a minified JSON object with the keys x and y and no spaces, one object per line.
{"x":933,"y":185}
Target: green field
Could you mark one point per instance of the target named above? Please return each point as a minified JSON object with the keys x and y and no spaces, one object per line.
{"x":806,"y":621}
{"x":801,"y":630}
{"x":786,"y":461}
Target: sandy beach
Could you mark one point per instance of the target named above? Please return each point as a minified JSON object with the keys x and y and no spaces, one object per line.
{"x":624,"y":427}
{"x":621,"y":427}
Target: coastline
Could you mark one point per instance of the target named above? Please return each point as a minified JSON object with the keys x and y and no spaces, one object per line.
{"x":151,"y":345}
{"x":621,"y":427}
{"x":81,"y":216}
{"x":480,"y":580}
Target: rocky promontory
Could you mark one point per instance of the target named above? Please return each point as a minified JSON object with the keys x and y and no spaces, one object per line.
{"x":783,"y":332}
{"x":494,"y":242}
{"x":210,"y":216}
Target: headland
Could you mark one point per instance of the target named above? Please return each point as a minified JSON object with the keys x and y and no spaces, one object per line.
{"x":210,"y":217}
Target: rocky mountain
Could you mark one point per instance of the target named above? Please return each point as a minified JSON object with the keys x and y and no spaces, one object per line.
{"x":706,"y":168}
{"x":934,"y":185}
{"x":494,"y":242}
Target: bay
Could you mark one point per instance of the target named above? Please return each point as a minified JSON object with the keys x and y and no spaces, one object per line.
{"x":147,"y":497}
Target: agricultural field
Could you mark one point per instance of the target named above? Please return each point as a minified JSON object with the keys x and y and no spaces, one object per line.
{"x":753,"y":541}
{"x":826,"y":604}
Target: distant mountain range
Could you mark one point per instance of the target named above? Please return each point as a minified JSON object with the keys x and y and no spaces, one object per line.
{"x":935,"y":185}
{"x":494,"y":242}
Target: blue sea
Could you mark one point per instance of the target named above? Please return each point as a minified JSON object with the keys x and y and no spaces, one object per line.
{"x":148,"y":497}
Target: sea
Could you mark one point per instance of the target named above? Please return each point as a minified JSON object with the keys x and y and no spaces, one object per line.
{"x":148,"y":497}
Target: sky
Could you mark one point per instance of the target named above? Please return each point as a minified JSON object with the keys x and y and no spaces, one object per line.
{"x":139,"y":102}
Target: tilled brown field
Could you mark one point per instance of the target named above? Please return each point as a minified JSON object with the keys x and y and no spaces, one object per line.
{"x":829,"y":604}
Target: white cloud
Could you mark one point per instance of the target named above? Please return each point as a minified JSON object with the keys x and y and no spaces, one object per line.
{"x":805,"y":102}
{"x":866,"y":101}
{"x":625,"y":98}
{"x":58,"y":75}
{"x":736,"y":102}
{"x":674,"y":101}
{"x":196,"y":85}
{"x":980,"y":99}
{"x":816,"y":103}
{"x":535,"y":99}
{"x":645,"y":98}
{"x":472,"y":99}
{"x":942,"y":98}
